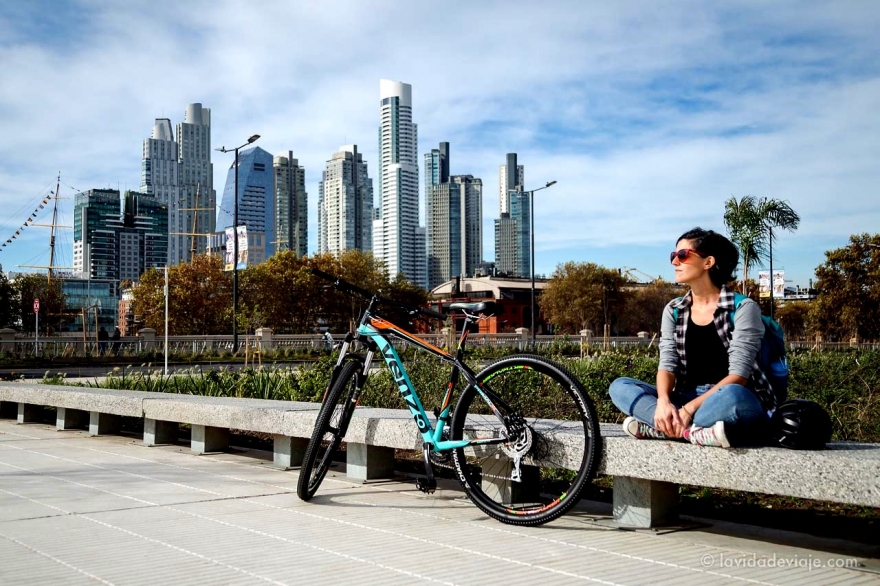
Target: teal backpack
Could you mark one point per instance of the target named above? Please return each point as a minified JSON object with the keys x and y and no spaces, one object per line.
{"x":771,"y":357}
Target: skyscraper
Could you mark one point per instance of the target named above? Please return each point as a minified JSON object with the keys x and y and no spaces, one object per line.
{"x":291,"y":205}
{"x":510,"y":176}
{"x":345,"y":203}
{"x":512,"y":252}
{"x":160,"y":175}
{"x":195,"y":216}
{"x":453,"y":219}
{"x":96,"y":219}
{"x":113,"y":242}
{"x":256,"y":202}
{"x":396,"y":237}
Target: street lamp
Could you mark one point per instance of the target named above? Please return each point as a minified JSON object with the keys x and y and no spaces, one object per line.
{"x":235,"y":244}
{"x":532,"y":236}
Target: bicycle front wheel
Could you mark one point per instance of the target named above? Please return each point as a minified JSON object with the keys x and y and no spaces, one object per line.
{"x":540,"y":473}
{"x":330,"y":428}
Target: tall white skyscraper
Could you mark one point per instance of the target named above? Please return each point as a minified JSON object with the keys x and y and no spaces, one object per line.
{"x":345,"y":203}
{"x":195,"y":215}
{"x":508,"y":180}
{"x":397,"y":238}
{"x":160,"y":175}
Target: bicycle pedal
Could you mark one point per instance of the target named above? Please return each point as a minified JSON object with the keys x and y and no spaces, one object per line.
{"x":426,"y":485}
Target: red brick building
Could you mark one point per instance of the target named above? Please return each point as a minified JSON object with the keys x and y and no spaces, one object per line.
{"x":513,"y":297}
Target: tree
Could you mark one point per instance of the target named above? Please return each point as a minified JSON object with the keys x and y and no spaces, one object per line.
{"x":583,"y":296}
{"x":750,"y":223}
{"x":8,"y":302}
{"x":644,"y":307}
{"x":200,"y":298}
{"x":53,"y":306}
{"x":793,"y":317}
{"x":848,"y":285}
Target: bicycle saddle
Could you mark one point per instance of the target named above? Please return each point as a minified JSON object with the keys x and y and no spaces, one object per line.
{"x":478,"y":307}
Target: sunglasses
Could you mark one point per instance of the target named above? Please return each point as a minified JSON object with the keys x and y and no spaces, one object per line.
{"x":684,"y":254}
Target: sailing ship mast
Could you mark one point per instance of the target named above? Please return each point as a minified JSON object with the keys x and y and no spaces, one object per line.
{"x":192,"y":235}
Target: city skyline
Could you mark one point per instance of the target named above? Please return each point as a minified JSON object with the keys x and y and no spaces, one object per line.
{"x":648,"y":119}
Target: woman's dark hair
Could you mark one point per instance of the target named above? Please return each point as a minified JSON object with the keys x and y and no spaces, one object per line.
{"x":714,"y":244}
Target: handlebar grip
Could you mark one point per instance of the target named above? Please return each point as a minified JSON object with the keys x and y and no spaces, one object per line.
{"x":432,"y":314}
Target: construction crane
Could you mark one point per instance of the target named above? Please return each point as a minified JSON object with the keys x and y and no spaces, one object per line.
{"x":629,"y":273}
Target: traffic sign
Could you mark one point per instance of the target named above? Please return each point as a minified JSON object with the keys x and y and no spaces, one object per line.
{"x":36,"y":306}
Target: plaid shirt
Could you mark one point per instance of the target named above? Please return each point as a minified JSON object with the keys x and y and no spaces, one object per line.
{"x":757,"y":382}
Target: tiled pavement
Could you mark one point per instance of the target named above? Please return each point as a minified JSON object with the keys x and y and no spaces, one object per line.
{"x":80,"y":510}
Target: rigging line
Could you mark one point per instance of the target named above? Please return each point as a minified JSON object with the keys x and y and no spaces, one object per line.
{"x":21,"y":210}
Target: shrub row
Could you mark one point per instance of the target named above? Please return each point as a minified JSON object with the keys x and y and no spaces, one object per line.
{"x":846,"y":383}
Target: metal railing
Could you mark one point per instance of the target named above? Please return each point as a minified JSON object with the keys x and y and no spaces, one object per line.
{"x":61,"y":347}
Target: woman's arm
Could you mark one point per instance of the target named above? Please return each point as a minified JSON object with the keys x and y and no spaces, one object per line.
{"x":666,"y":418}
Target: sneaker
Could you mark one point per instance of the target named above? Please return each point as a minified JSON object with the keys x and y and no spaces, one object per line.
{"x":708,"y":436}
{"x":635,"y":428}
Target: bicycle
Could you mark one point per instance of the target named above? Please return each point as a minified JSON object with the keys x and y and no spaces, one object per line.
{"x":524,"y":435}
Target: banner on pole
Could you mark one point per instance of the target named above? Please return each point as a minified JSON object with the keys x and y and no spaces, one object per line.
{"x":764,"y":284}
{"x":242,"y":248}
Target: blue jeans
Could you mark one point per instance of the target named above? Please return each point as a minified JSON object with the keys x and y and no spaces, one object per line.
{"x":745,"y":421}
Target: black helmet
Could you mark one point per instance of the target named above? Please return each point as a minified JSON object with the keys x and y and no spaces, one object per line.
{"x":801,"y":425}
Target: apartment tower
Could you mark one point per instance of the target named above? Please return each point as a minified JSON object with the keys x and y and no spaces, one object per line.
{"x":345,"y":203}
{"x":397,"y":237}
{"x":291,"y":205}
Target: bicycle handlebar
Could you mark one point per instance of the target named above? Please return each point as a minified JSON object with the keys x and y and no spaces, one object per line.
{"x":346,"y":287}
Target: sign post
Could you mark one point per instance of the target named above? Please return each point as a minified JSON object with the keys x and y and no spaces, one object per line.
{"x":37,"y":327}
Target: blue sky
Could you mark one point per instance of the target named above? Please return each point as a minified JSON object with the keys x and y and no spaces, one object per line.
{"x":648,"y":114}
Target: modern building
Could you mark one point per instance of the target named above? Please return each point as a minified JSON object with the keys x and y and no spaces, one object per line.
{"x":96,"y":222}
{"x":396,"y":231}
{"x":256,"y":201}
{"x":453,"y":219}
{"x":160,"y":170}
{"x":512,"y":250}
{"x":143,"y":238}
{"x":92,"y":299}
{"x":114,"y":243}
{"x":511,"y":177}
{"x":193,"y":217}
{"x":345,"y":203}
{"x":291,"y":205}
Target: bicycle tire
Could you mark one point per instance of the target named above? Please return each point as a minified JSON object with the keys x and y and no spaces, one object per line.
{"x":560,"y":418}
{"x":329,"y":432}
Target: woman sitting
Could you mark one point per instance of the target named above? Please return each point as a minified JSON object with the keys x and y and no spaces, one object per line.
{"x":710,"y":390}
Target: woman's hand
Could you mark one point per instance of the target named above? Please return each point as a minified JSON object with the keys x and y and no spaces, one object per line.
{"x":686,"y":418}
{"x":666,"y":418}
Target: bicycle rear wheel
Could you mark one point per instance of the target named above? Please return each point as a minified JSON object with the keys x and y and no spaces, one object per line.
{"x":558,"y":445}
{"x":330,"y":428}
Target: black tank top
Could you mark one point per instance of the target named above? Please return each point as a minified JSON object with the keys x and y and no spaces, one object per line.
{"x":707,"y":361}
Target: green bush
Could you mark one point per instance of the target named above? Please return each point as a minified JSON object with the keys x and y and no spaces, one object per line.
{"x":844,"y":382}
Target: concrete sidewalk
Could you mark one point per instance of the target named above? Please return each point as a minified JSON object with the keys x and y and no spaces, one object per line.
{"x":80,"y":510}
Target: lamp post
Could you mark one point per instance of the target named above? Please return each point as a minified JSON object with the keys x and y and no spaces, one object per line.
{"x":532,"y":237}
{"x":235,"y":244}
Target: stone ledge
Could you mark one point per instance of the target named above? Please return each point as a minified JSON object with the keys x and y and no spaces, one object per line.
{"x":845,"y":473}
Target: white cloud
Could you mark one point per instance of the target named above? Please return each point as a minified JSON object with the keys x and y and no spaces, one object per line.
{"x":649,"y":115}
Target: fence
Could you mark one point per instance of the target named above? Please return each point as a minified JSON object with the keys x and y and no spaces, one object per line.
{"x":14,"y":345}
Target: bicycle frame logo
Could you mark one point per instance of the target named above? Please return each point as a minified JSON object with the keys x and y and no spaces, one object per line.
{"x":376,"y":331}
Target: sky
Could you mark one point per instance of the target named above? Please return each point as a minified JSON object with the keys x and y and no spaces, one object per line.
{"x":648,"y":114}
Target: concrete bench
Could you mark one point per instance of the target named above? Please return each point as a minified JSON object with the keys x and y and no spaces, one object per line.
{"x":646,"y":473}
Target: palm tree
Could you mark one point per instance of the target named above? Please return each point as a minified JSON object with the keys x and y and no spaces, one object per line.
{"x":750,"y":222}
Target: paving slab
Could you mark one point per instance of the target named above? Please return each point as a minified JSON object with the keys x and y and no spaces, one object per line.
{"x":75,"y":509}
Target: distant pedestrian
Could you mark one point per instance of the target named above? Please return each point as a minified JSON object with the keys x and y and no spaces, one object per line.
{"x":103,"y":336}
{"x":114,"y":338}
